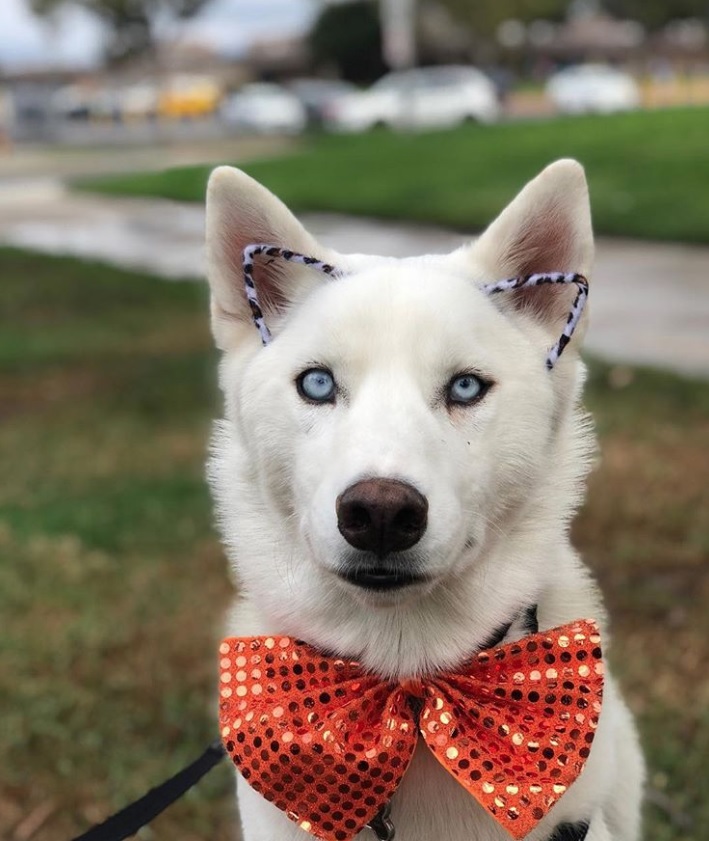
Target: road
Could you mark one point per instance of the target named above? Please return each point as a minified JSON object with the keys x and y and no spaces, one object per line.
{"x":649,"y":301}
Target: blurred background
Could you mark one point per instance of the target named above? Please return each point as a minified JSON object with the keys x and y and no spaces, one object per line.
{"x":396,"y":127}
{"x":131,"y":71}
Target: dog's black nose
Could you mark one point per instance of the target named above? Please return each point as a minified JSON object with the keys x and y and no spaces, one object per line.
{"x":381,"y":515}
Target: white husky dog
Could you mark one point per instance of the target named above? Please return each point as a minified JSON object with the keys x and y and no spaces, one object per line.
{"x":396,"y":473}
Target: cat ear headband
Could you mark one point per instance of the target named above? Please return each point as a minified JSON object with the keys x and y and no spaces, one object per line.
{"x":522,"y":282}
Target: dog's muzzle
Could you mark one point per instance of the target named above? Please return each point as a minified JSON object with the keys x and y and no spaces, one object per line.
{"x":381,"y":517}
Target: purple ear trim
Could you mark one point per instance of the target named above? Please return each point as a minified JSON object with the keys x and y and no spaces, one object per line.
{"x":256,"y":248}
{"x":552,"y":277}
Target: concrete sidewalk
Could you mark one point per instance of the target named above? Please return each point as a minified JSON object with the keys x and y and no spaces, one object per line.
{"x":649,"y":301}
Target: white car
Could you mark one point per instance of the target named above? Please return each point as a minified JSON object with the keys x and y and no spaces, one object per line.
{"x":317,"y":94}
{"x":139,"y":101}
{"x":264,"y":108}
{"x":593,"y":88}
{"x":431,"y":97}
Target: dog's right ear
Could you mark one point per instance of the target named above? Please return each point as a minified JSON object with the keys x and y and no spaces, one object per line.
{"x":240,"y":211}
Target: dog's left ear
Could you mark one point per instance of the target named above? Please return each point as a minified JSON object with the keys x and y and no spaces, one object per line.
{"x":546,"y":228}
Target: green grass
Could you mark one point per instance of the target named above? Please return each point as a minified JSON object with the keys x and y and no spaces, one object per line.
{"x":648,"y":172}
{"x":112,"y":583}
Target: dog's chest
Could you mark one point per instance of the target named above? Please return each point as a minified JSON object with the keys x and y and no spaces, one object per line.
{"x":430,"y":803}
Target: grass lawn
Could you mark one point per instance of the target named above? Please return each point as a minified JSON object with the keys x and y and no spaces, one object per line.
{"x":112,"y":582}
{"x":648,"y":171}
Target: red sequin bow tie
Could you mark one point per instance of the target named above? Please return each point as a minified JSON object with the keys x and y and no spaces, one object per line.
{"x":328,"y":743}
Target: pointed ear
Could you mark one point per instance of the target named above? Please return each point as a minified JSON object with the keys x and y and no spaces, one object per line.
{"x":240,"y":211}
{"x":546,"y":228}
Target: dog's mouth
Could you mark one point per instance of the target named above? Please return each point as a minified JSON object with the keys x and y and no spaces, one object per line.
{"x":381,"y":578}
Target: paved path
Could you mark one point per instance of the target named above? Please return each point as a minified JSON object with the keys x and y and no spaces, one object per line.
{"x":649,"y":302}
{"x":25,"y":162}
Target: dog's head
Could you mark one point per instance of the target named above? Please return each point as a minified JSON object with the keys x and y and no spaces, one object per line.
{"x":398,"y":460}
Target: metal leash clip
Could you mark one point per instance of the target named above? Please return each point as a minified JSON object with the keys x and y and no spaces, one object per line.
{"x":382,"y":825}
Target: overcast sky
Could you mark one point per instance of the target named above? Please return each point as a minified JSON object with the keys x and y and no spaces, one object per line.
{"x":75,"y":37}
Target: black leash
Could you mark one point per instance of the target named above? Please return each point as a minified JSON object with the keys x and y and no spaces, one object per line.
{"x":128,"y":821}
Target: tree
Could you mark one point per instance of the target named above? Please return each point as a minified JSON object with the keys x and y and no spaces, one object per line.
{"x":654,"y":14}
{"x":484,"y":16}
{"x":348,"y":36}
{"x":130,"y":22}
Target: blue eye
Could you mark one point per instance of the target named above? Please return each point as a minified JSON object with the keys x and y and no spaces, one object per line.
{"x":317,"y":385}
{"x":465,"y":388}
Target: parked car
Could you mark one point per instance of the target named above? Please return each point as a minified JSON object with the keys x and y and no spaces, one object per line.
{"x":189,"y":97}
{"x":592,"y":88}
{"x":430,"y":97}
{"x":72,"y":102}
{"x":139,"y":101}
{"x":264,"y":108}
{"x":316,"y":95}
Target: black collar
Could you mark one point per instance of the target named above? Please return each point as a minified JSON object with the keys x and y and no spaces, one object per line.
{"x":526,"y":621}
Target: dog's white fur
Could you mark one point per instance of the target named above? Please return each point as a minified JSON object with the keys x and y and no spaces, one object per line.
{"x":502,"y":477}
